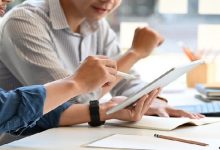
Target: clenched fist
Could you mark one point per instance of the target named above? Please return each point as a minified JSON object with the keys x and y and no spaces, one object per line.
{"x":144,"y":41}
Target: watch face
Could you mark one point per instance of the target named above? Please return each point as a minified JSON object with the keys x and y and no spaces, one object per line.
{"x":94,"y":102}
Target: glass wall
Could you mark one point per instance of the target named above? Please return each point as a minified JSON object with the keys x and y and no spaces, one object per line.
{"x":177,"y":20}
{"x":192,"y":23}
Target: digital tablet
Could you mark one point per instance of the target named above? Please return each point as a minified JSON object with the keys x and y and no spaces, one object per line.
{"x":159,"y":82}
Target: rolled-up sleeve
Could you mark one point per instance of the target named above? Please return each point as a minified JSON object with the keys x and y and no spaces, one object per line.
{"x":21,"y":107}
{"x":49,"y":120}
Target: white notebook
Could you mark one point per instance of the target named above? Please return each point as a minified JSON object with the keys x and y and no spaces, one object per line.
{"x":162,"y":123}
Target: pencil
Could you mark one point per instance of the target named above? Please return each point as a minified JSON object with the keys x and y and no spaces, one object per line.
{"x":188,"y":52}
{"x":180,"y":140}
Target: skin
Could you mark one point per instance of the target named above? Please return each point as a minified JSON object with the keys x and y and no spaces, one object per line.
{"x":103,"y":69}
{"x":104,"y":74}
{"x":145,"y":40}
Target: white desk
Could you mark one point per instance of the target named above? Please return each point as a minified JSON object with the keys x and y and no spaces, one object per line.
{"x":74,"y":137}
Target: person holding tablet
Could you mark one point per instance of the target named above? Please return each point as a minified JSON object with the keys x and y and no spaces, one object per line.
{"x":22,"y":107}
{"x":65,"y":33}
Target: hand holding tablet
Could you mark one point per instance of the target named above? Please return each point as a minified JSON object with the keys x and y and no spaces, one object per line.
{"x":159,"y":82}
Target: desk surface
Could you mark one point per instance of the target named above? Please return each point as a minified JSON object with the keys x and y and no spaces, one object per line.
{"x":75,"y":137}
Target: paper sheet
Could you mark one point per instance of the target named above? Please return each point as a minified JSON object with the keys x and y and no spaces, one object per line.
{"x":138,"y":142}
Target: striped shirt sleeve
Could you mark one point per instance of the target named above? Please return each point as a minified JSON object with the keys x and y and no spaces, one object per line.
{"x":29,"y":48}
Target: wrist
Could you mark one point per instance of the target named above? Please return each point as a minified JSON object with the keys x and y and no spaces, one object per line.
{"x":103,"y":109}
{"x":95,"y":117}
{"x":133,"y":53}
{"x":74,"y":86}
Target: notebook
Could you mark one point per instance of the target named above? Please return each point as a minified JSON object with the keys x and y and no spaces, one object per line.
{"x":208,"y":91}
{"x":207,"y":98}
{"x":208,"y":109}
{"x":163,"y":123}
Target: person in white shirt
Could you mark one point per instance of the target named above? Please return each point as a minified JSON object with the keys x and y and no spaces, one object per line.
{"x":22,"y":107}
{"x":45,"y":40}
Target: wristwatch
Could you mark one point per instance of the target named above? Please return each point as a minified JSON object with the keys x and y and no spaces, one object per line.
{"x":94,"y":114}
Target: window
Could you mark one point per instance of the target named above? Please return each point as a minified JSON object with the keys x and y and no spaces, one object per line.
{"x":192,"y":22}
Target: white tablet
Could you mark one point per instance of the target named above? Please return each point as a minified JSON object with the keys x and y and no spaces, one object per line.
{"x":159,"y":82}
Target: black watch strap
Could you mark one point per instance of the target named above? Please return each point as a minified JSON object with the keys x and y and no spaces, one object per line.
{"x":94,"y":114}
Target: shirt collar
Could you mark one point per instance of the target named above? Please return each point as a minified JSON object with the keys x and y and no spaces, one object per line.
{"x":57,"y":15}
{"x":59,"y":20}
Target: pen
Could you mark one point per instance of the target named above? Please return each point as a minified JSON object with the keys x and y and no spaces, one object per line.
{"x":125,"y":75}
{"x":180,"y":140}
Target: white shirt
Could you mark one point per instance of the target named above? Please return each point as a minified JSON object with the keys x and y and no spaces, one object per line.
{"x":37,"y":45}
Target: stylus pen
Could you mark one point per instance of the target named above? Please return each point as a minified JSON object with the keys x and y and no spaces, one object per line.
{"x":125,"y":75}
{"x":180,"y":140}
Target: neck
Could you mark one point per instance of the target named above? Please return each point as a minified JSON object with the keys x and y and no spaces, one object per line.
{"x":73,"y":17}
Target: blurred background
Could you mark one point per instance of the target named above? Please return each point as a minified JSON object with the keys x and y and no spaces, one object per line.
{"x":193,"y":23}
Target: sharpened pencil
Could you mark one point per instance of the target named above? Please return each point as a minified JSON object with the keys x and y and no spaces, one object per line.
{"x":180,"y":140}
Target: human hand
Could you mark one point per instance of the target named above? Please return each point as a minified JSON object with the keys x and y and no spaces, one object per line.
{"x":131,"y":113}
{"x":95,"y":72}
{"x":144,"y":41}
{"x":162,"y":109}
{"x":3,"y":5}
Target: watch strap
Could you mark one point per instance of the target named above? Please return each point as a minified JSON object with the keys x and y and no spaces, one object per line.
{"x":94,"y":114}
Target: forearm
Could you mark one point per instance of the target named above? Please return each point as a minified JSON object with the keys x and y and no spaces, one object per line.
{"x":75,"y":114}
{"x":79,"y":113}
{"x":58,"y":92}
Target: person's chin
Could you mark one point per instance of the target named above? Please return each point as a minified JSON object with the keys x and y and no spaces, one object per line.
{"x":96,"y":18}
